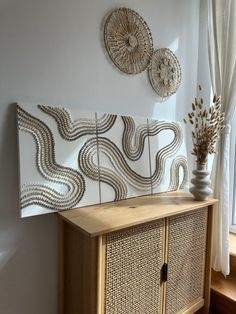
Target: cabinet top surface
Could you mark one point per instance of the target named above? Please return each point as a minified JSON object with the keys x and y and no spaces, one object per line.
{"x":101,"y":219}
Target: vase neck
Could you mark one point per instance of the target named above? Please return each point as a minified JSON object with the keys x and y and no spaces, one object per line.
{"x":201,"y":166}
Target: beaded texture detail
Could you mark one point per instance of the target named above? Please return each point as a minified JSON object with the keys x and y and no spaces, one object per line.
{"x":178,"y":163}
{"x":81,"y":158}
{"x":40,"y":194}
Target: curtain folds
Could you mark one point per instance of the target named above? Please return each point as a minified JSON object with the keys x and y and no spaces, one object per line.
{"x":222,"y":60}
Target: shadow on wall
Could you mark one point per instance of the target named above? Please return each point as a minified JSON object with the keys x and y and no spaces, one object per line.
{"x":23,"y":242}
{"x":182,"y":39}
{"x":9,"y":190}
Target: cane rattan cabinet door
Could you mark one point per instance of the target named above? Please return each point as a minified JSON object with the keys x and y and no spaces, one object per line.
{"x":134,"y":258}
{"x":187,"y":235}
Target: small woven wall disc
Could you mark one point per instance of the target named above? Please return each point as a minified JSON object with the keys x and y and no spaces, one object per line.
{"x":128,"y":40}
{"x":164,"y":72}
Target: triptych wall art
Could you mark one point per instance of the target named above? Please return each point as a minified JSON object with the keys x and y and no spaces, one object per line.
{"x":70,"y":158}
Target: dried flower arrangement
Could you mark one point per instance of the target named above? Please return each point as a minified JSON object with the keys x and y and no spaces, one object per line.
{"x":206,"y":125}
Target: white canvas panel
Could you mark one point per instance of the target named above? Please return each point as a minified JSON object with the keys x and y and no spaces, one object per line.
{"x":168,"y":156}
{"x":50,"y":139}
{"x":71,"y":158}
{"x":124,"y":154}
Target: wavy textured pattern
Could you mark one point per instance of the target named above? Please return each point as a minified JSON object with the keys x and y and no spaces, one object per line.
{"x":123,"y":173}
{"x":167,"y":151}
{"x":98,"y":158}
{"x":43,"y":195}
{"x":133,"y":138}
{"x":72,"y":130}
{"x":87,"y":165}
{"x":180,"y":161}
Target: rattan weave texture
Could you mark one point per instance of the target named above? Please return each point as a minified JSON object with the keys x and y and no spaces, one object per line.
{"x":128,"y":40}
{"x":164,"y":72}
{"x":186,"y":259}
{"x":133,"y":261}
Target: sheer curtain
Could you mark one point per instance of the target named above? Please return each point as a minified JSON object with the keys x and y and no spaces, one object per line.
{"x":222,"y":58}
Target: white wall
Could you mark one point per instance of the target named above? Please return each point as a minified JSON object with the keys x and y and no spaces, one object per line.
{"x":51,"y":52}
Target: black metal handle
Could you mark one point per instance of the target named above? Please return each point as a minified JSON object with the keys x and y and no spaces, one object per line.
{"x":164,"y":271}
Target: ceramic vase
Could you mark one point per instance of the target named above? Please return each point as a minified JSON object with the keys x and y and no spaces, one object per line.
{"x":201,"y":183}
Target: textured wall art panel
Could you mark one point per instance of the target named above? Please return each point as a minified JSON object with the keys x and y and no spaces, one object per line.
{"x":50,"y":140}
{"x":124,"y":154}
{"x":70,"y":158}
{"x":167,"y":155}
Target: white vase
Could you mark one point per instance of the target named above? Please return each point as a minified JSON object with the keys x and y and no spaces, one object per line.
{"x":201,"y":183}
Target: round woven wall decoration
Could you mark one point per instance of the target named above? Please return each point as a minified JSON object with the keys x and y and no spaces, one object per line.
{"x":164,"y":72}
{"x":128,"y":40}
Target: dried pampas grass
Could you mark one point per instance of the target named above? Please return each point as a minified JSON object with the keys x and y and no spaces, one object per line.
{"x":206,"y":124}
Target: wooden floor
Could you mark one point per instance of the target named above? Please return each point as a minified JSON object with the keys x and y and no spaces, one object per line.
{"x":223,"y":294}
{"x":227,"y":287}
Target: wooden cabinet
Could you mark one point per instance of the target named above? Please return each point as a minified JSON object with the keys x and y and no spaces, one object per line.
{"x":139,"y":256}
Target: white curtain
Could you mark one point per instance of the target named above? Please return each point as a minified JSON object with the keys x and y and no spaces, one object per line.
{"x":222,"y":59}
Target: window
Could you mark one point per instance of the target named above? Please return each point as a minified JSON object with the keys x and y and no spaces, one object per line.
{"x":233,"y":173}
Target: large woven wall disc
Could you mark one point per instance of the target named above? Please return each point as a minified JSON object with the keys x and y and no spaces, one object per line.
{"x":128,"y":40}
{"x":164,"y":72}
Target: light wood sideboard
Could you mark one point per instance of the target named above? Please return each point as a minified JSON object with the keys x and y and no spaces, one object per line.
{"x":144,"y":255}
